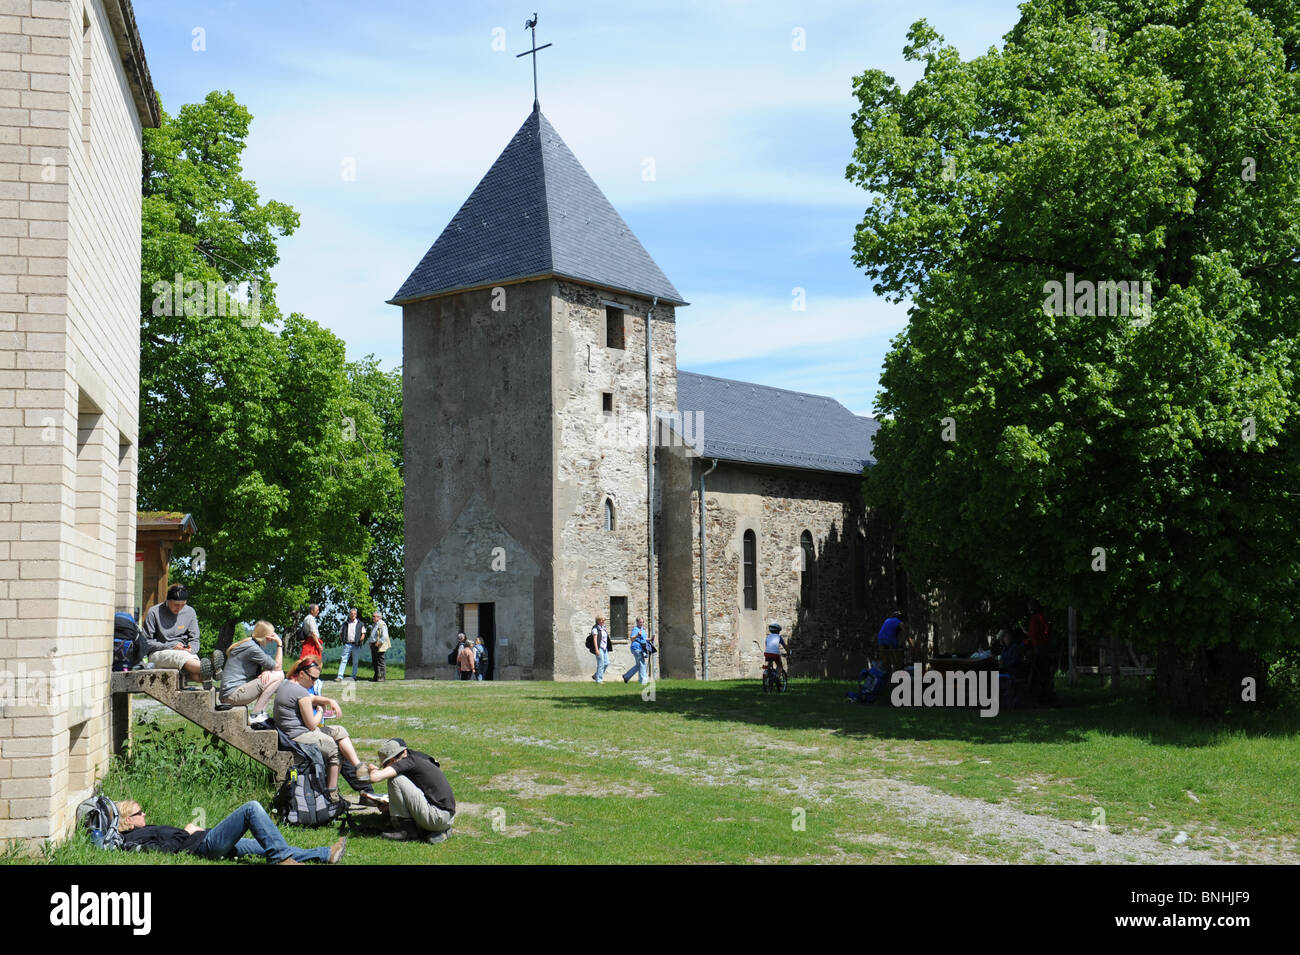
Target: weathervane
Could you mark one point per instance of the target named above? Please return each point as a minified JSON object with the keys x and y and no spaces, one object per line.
{"x":532,"y":25}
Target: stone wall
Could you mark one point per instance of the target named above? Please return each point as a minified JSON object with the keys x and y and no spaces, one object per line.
{"x":779,"y":506}
{"x":601,"y":457}
{"x":853,"y":579}
{"x":70,"y":140}
{"x":477,"y":389}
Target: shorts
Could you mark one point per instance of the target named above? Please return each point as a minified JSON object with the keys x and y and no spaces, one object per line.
{"x":325,"y":738}
{"x":772,"y":656}
{"x":172,"y":659}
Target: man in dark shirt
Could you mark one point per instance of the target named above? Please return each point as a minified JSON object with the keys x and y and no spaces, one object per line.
{"x":224,"y":840}
{"x":419,"y":797}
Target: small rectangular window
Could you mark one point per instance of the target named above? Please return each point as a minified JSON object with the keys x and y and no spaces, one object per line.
{"x":618,"y":618}
{"x":613,"y":327}
{"x":607,"y":402}
{"x":751,"y":571}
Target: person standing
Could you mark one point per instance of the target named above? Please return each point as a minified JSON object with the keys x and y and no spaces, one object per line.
{"x":420,"y":801}
{"x":640,"y":647}
{"x":354,"y":635}
{"x":465,"y":660}
{"x":480,"y":658}
{"x":379,"y":644}
{"x":600,"y":640}
{"x":171,"y":638}
{"x":312,"y":646}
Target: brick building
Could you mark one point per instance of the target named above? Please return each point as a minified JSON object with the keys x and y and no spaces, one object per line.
{"x":75,"y":94}
{"x":554,"y":454}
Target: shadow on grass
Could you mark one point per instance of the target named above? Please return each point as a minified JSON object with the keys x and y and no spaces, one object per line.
{"x":817,"y":704}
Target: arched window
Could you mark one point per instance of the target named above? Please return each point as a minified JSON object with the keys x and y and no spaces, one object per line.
{"x":751,"y":571}
{"x":609,"y":514}
{"x":808,"y":578}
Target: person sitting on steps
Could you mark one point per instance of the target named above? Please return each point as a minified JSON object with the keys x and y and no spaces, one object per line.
{"x":296,"y":718}
{"x":250,"y":675}
{"x":171,"y":639}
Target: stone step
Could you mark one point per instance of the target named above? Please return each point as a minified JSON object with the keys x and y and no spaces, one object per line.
{"x":198,"y":706}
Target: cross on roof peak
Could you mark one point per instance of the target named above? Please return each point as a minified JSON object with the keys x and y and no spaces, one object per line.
{"x":532,"y":25}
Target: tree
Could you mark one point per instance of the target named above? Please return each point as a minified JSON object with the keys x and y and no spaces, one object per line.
{"x":1126,"y":449}
{"x":380,"y":394}
{"x":247,"y":418}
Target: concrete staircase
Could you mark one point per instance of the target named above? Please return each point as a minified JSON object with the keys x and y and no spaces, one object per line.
{"x":197,"y":706}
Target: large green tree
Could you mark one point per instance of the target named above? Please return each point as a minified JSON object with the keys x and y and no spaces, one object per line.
{"x":248,"y":417}
{"x":1139,"y":464}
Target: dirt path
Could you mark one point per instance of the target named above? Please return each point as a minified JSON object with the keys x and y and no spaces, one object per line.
{"x":1038,"y":838}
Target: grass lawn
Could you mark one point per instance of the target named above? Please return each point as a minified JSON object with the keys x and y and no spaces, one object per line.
{"x":717,"y":772}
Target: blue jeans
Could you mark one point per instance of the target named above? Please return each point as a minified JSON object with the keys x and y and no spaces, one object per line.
{"x":638,"y":651}
{"x":353,"y":651}
{"x":602,"y":661}
{"x":225,"y":839}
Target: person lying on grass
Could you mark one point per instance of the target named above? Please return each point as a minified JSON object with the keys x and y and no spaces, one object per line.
{"x":420,"y":802}
{"x":295,"y":715}
{"x":225,"y":840}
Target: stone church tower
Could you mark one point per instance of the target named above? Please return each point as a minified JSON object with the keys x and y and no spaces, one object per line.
{"x":528,"y":380}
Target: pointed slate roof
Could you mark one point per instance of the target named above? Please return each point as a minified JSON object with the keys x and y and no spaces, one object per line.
{"x":536,"y":213}
{"x":757,"y":424}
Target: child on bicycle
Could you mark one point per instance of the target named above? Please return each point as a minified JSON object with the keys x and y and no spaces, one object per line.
{"x":775,"y":644}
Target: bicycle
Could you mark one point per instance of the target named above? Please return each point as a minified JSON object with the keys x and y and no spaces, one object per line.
{"x":774,"y":676}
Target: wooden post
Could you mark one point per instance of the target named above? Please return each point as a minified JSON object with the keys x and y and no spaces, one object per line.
{"x":1114,"y":663}
{"x":1072,"y":617}
{"x":120,"y":721}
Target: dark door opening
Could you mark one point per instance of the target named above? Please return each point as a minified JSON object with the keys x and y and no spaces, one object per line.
{"x":487,"y":629}
{"x":480,"y":621}
{"x":618,"y":618}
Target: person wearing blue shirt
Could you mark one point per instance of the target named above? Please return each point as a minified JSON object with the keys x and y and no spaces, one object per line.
{"x":640,"y":647}
{"x":890,"y":630}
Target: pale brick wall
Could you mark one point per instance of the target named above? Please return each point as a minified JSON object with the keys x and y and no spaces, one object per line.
{"x":69,"y":398}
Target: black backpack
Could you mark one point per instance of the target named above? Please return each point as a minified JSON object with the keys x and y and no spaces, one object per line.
{"x":301,"y":799}
{"x":451,"y":657}
{"x":99,"y":816}
{"x":126,"y":642}
{"x":591,"y":643}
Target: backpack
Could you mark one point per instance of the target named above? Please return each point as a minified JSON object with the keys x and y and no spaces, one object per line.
{"x":126,"y":642}
{"x":301,"y":799}
{"x":451,"y":657}
{"x":480,"y":654}
{"x":591,"y":643}
{"x":99,"y":815}
{"x":872,"y":681}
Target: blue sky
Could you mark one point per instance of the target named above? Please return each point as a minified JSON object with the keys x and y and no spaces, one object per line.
{"x":749,"y":139}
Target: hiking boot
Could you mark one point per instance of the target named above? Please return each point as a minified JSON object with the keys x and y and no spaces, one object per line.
{"x":218,"y":664}
{"x":433,"y":838}
{"x":336,"y":851}
{"x":407,"y":833}
{"x":289,"y":861}
{"x":205,"y":673}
